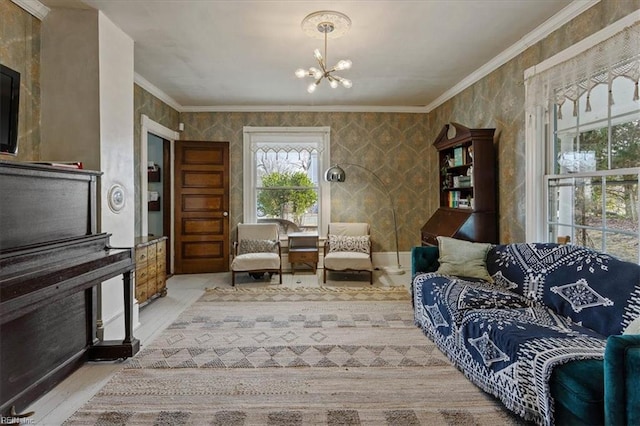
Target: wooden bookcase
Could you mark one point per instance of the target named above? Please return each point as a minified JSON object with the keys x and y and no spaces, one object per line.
{"x":467,"y":186}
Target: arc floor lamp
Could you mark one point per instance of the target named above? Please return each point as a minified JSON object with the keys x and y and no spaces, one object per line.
{"x":337,"y":174}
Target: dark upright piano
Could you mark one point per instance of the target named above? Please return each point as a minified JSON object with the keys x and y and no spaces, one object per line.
{"x":51,"y":260}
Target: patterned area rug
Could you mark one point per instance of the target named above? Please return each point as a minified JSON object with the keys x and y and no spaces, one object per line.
{"x":282,"y":356}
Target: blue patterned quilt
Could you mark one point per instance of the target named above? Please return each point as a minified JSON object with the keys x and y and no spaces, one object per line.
{"x":550,"y":304}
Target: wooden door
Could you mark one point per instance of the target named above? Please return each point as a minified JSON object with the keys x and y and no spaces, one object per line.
{"x":201,"y":207}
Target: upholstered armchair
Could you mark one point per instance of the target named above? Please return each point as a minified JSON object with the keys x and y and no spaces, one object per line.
{"x":348,"y":248}
{"x":257,"y":250}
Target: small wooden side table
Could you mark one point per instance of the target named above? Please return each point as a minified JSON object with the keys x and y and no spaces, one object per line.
{"x":303,"y":248}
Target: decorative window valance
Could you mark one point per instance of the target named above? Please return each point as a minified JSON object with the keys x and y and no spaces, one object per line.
{"x":285,"y":147}
{"x":617,"y":56}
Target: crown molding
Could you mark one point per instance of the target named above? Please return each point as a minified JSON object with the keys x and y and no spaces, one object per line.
{"x":155,"y":91}
{"x":305,"y":108}
{"x":34,"y":7}
{"x":556,"y":21}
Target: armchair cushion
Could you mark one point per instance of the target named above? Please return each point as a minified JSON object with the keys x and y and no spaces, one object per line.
{"x":360,"y":243}
{"x":256,"y":262}
{"x":344,"y":260}
{"x":257,"y":246}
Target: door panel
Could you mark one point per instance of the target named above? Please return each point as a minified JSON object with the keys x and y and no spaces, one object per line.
{"x":202,"y":206}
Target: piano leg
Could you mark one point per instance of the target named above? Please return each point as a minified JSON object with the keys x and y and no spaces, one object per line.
{"x":128,"y":308}
{"x":107,"y":350}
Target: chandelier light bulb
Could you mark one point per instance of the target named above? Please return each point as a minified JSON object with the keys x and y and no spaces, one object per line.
{"x":301,"y":73}
{"x":317,"y":54}
{"x":343,"y":64}
{"x":316,"y":73}
{"x":333,"y":83}
{"x":346,"y":83}
{"x":312,"y":87}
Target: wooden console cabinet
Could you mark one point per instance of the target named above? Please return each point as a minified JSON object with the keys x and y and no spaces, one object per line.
{"x":151,"y":268}
{"x":467,"y":181}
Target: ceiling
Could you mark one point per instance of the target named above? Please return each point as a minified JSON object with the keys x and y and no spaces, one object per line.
{"x":242,"y":54}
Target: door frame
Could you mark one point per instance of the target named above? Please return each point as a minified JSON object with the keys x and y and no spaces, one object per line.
{"x":150,"y":126}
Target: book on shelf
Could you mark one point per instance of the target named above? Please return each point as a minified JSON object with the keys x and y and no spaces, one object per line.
{"x":458,"y":156}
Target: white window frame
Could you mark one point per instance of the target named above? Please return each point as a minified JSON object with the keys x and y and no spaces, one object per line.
{"x":538,"y":129}
{"x":280,"y":136}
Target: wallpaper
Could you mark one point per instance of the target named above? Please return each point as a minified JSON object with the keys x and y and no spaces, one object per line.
{"x":394,"y":146}
{"x":20,"y":51}
{"x":497,"y":101}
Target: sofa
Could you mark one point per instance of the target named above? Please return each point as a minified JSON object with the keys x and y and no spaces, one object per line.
{"x":539,"y":326}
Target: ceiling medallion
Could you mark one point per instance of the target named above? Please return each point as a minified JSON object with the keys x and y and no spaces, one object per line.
{"x":325,"y":24}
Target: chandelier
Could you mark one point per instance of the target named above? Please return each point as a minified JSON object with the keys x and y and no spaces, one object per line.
{"x":322,"y":25}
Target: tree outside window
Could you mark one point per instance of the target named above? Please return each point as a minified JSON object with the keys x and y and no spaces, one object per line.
{"x":285,"y":188}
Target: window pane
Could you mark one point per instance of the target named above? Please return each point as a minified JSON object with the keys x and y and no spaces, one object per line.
{"x":287,"y":188}
{"x":622,"y":203}
{"x":595,"y":148}
{"x":625,"y":145}
{"x":561,"y":201}
{"x":588,"y":202}
{"x":623,"y":246}
{"x":589,"y":238}
{"x":296,"y":208}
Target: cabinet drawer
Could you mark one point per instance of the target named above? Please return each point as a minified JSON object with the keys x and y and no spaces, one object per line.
{"x":141,"y":276}
{"x":151,"y":251}
{"x":141,"y":254}
{"x":160,"y":249}
{"x":151,"y":288}
{"x":303,"y":256}
{"x":141,"y":293}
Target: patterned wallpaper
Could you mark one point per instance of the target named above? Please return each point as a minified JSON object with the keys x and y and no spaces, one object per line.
{"x":20,"y":51}
{"x":394,"y":146}
{"x":145,"y":103}
{"x":498,"y":101}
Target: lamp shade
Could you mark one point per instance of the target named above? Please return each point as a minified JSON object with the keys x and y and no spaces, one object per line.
{"x":335,"y":174}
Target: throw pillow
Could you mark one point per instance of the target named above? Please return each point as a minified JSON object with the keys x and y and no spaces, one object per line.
{"x":258,"y":246}
{"x":358,"y":243}
{"x":463,"y":258}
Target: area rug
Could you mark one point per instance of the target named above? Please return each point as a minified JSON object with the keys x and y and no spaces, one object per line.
{"x":292,"y":356}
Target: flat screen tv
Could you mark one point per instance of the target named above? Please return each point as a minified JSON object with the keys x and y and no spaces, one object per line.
{"x":9,"y":102}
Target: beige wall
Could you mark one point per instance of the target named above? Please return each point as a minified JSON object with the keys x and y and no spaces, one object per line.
{"x":498,"y":101}
{"x":20,"y":51}
{"x":70,"y":120}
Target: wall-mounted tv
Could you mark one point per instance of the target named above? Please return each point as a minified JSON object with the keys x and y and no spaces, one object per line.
{"x":9,"y":102}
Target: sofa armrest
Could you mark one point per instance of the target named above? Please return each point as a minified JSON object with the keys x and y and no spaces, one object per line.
{"x":622,"y":380}
{"x":424,"y":259}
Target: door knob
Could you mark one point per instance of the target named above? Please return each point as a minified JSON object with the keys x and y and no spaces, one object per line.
{"x":225,"y":214}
